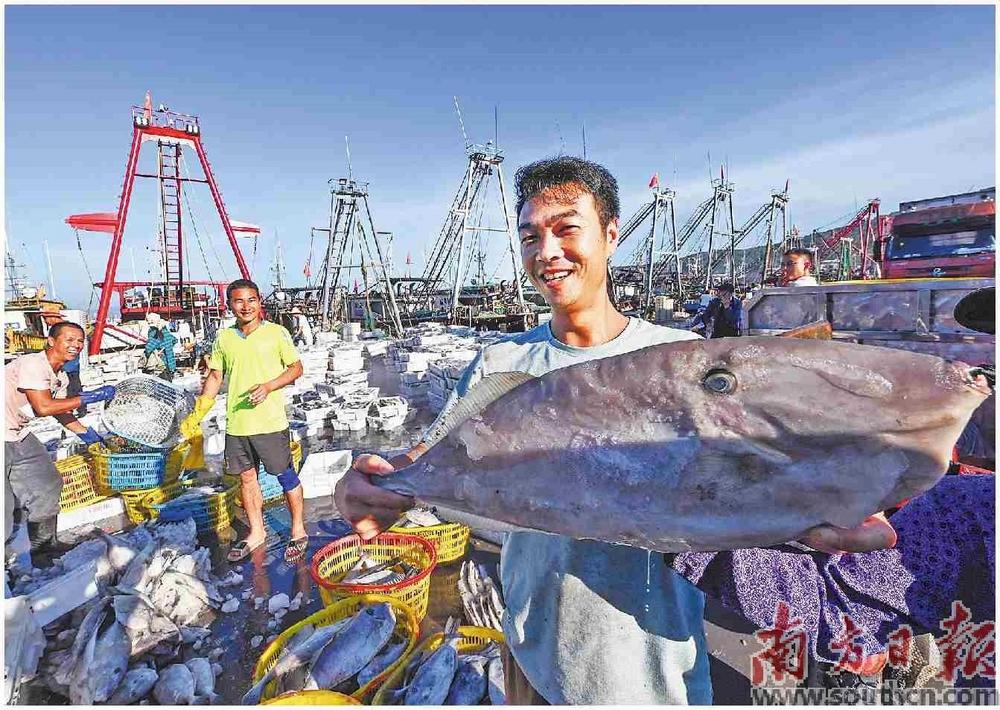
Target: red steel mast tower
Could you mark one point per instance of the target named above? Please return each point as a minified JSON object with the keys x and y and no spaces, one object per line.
{"x":172,"y":132}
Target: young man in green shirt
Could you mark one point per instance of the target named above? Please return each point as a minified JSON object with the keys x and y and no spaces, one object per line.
{"x":258,"y":358}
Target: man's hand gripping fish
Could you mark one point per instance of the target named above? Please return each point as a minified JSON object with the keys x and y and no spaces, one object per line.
{"x":698,"y":445}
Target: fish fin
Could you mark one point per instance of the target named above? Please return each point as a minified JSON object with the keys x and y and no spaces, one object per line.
{"x":487,"y":390}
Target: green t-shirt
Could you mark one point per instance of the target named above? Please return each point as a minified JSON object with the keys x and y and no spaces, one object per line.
{"x":247,"y":361}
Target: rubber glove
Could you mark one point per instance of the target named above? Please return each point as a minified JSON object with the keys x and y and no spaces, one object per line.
{"x":90,"y":436}
{"x":101,"y":394}
{"x":191,"y":426}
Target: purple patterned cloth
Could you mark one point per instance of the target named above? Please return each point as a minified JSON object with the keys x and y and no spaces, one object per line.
{"x":945,"y":552}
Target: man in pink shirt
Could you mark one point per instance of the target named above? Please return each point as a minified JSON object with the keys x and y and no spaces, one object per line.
{"x":36,"y":387}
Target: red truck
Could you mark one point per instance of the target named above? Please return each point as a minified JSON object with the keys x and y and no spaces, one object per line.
{"x":942,"y":236}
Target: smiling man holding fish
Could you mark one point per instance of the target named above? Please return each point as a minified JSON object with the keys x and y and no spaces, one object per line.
{"x":669,"y":467}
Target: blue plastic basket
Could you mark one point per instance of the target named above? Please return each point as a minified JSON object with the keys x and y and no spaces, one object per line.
{"x":135,"y":467}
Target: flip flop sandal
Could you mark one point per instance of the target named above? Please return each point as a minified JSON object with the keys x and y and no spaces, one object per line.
{"x":241,"y":550}
{"x":296,"y":549}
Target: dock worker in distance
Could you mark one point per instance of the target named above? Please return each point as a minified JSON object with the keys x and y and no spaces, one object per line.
{"x":796,"y":268}
{"x":36,"y":387}
{"x":723,"y":317}
{"x":159,"y":350}
{"x":258,"y":359}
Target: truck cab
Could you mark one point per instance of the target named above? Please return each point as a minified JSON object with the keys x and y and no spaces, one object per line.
{"x":951,"y":236}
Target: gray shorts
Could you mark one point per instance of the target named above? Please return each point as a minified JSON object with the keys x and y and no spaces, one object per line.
{"x":32,"y":483}
{"x":248,"y":452}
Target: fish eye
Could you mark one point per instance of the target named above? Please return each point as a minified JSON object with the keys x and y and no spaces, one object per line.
{"x":720,"y":382}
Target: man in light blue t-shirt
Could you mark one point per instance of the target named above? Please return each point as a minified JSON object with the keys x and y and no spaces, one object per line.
{"x":587,"y":622}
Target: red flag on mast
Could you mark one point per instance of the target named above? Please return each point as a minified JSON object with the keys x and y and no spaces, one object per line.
{"x":655,"y":180}
{"x":307,"y":272}
{"x":147,"y":107}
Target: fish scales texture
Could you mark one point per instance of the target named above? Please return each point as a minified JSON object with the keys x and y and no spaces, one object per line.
{"x":135,"y":686}
{"x":704,"y":445}
{"x":495,"y":678}
{"x":434,"y":677}
{"x":353,"y":648}
{"x":301,"y":650}
{"x":111,"y":654}
{"x":469,"y":684}
{"x":175,"y":686}
{"x":385,"y":658}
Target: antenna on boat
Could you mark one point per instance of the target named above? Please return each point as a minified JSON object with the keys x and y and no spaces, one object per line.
{"x":496,"y":125}
{"x":584,"y":130}
{"x":461,"y":124}
{"x":347,"y":146}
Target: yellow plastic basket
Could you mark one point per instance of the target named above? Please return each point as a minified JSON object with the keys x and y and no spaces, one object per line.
{"x":449,"y":539}
{"x":140,"y":505}
{"x":471,"y":639}
{"x":407,"y":626}
{"x":313,"y":697}
{"x":78,"y":490}
{"x":332,"y":562}
{"x":213,"y":512}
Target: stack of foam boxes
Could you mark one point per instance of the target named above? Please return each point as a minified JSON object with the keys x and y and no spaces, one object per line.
{"x":350,"y":332}
{"x":444,"y":376}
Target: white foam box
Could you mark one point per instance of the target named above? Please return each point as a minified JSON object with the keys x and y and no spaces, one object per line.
{"x":110,"y":508}
{"x":321,"y":471}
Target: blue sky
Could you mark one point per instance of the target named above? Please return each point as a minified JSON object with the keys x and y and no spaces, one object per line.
{"x":846,"y":102}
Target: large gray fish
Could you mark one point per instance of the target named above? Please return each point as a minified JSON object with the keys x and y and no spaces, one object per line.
{"x":302,"y":648}
{"x":135,"y":686}
{"x":698,"y":445}
{"x":385,"y":658}
{"x":111,"y":654}
{"x":175,"y":686}
{"x":433,"y":679}
{"x":469,"y":685}
{"x":353,"y":648}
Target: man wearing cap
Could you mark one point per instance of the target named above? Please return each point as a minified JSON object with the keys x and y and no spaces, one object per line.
{"x":36,"y":386}
{"x":161,"y":341}
{"x":258,"y":359}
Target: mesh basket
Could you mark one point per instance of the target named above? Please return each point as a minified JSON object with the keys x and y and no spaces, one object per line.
{"x":407,"y":626}
{"x":270,"y":489}
{"x":471,"y":639}
{"x":210,"y":511}
{"x":449,"y":539}
{"x":332,"y":562}
{"x":142,"y":505}
{"x":131,"y":467}
{"x":147,"y":410}
{"x":78,"y":490}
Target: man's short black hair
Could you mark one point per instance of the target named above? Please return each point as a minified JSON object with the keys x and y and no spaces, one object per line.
{"x":727,"y":287}
{"x":240,"y":283}
{"x":799,"y":252}
{"x":534,"y":179}
{"x":56,"y":328}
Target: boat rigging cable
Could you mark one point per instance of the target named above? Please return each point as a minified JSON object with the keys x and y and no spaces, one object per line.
{"x":86,"y":267}
{"x":187,"y":201}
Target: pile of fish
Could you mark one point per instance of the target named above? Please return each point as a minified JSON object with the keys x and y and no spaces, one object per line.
{"x":418,"y":518}
{"x":697,"y":445}
{"x":156,"y":598}
{"x":480,"y":599}
{"x":444,"y":676}
{"x":342,"y":656}
{"x":368,"y":571}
